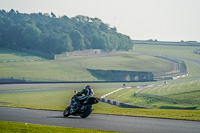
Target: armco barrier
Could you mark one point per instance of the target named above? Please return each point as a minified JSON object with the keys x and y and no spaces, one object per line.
{"x":123,"y":105}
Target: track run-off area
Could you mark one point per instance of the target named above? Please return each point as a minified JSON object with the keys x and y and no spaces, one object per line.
{"x":99,"y":121}
{"x":95,"y":121}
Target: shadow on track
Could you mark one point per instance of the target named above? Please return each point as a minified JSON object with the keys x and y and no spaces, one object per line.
{"x":71,"y":117}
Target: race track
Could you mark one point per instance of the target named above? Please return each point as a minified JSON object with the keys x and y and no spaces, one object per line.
{"x":100,"y":121}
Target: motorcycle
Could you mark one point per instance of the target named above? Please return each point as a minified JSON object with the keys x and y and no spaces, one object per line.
{"x":84,"y":111}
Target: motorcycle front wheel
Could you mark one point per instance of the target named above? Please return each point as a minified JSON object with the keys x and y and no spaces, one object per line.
{"x":66,"y":113}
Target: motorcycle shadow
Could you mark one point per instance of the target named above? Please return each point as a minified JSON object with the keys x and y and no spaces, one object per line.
{"x":69,"y":117}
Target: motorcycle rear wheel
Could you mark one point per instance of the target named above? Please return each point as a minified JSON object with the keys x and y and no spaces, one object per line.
{"x":87,"y":112}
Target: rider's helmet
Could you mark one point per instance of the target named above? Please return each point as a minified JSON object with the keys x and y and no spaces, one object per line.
{"x":88,"y":87}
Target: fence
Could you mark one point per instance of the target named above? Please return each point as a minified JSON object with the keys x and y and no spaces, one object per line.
{"x":79,"y":53}
{"x":50,"y":79}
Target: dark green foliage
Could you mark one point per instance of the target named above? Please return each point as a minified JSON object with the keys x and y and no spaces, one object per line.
{"x":54,"y":35}
{"x":77,"y":40}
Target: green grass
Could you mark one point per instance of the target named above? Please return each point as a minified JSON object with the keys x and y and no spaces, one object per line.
{"x":174,"y":88}
{"x":193,"y":69}
{"x":166,"y":50}
{"x":10,"y":127}
{"x":74,"y":68}
{"x":183,"y":92}
{"x":59,"y":97}
{"x":128,"y":61}
{"x":59,"y":100}
{"x":154,"y":113}
{"x":16,"y":56}
{"x":179,"y":95}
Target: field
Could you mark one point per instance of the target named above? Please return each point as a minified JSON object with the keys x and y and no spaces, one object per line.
{"x":181,"y":93}
{"x":166,"y":50}
{"x":165,"y":99}
{"x":169,"y":97}
{"x":29,"y":67}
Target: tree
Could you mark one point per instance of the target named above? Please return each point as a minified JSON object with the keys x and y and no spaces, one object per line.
{"x":51,"y":35}
{"x":67,"y":44}
{"x":31,"y":36}
{"x":53,"y":15}
{"x":50,"y":44}
{"x":77,"y":40}
{"x":98,"y":42}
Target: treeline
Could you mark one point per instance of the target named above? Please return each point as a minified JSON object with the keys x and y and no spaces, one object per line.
{"x":55,"y":35}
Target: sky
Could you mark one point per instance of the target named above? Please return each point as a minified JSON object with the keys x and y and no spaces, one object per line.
{"x":164,"y":20}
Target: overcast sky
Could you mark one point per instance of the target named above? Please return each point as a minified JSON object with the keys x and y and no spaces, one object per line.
{"x":164,"y":20}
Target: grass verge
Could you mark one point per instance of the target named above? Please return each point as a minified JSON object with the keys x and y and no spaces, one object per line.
{"x":10,"y":127}
{"x":193,"y":115}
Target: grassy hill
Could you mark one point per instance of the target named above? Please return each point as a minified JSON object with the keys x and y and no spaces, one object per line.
{"x":22,"y":65}
{"x":57,"y":97}
{"x":176,"y":94}
{"x":166,"y":50}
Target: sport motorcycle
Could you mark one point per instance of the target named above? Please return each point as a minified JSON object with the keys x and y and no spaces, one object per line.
{"x":84,"y":110}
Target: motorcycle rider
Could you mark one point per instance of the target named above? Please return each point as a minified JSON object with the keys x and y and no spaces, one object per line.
{"x":82,"y":108}
{"x":88,"y":92}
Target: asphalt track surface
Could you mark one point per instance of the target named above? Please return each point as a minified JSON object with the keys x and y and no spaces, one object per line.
{"x":99,"y":121}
